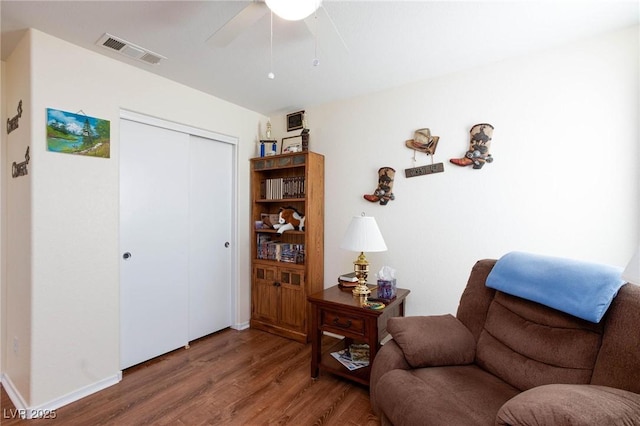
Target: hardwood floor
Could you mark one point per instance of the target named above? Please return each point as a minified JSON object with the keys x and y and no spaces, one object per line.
{"x":231,"y":377}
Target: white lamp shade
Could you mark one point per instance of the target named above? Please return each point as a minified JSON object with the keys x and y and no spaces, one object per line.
{"x":363,"y":235}
{"x":631,"y":273}
{"x":293,"y":10}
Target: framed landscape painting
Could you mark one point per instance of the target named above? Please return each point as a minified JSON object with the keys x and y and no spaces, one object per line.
{"x":78,"y":134}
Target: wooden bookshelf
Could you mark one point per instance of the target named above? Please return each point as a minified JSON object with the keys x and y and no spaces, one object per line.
{"x":279,"y":288}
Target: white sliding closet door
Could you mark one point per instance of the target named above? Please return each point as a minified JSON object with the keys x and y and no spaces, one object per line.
{"x":154,"y":231}
{"x":210,"y":225}
{"x":175,"y":232}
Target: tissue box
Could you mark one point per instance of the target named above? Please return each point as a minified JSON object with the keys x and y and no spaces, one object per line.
{"x":386,"y":289}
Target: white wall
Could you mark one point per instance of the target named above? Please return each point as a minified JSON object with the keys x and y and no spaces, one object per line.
{"x":3,"y":228}
{"x":75,"y":260}
{"x":564,"y":181}
{"x":17,"y":289}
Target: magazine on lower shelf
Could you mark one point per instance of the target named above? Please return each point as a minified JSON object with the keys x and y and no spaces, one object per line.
{"x":344,"y":357}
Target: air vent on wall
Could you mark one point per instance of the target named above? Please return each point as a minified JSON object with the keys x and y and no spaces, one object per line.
{"x":129,"y":49}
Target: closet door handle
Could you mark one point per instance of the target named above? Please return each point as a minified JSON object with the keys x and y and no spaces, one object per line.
{"x":126,"y":256}
{"x":226,"y":245}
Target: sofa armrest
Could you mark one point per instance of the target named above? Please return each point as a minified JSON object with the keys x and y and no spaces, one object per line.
{"x":562,"y":404}
{"x":388,"y":358}
{"x":430,"y":341}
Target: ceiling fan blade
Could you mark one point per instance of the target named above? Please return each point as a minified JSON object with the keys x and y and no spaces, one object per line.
{"x":322,"y":26}
{"x":236,"y":25}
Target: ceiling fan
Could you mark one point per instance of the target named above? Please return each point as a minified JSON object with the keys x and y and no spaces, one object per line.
{"x":312,"y":12}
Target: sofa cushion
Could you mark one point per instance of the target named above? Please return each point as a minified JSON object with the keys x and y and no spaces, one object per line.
{"x":528,"y":344}
{"x":428,"y":341}
{"x":560,"y":405}
{"x":459,"y":395}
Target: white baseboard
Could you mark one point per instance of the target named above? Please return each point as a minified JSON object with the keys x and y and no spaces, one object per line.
{"x":26,"y":412}
{"x":241,"y":326}
{"x":13,"y":393}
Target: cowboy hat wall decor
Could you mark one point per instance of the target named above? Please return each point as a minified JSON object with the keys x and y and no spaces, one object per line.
{"x":423,"y":142}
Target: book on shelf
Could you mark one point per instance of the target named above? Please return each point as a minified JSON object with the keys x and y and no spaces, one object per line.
{"x":268,"y":249}
{"x":347,"y":284}
{"x":282,"y":188}
{"x":359,"y":352}
{"x":350,"y":277}
{"x":354,"y":357}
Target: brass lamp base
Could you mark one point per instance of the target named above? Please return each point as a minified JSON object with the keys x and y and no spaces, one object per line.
{"x":361,"y":290}
{"x":361,"y":268}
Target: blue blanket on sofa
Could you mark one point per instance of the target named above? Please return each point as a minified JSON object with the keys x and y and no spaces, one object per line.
{"x":579,"y":288}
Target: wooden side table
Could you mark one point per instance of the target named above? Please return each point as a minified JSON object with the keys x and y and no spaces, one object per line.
{"x":337,"y":311}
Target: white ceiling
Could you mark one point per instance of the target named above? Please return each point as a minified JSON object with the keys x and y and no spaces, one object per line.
{"x":390,"y":43}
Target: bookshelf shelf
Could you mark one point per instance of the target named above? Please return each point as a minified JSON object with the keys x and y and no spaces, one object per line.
{"x":280,"y":200}
{"x":273,"y":231}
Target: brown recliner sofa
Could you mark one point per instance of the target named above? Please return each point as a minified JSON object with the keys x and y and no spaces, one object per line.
{"x":505,"y":360}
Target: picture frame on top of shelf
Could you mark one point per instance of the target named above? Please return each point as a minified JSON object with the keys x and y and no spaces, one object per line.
{"x":267,"y":220}
{"x":291,"y":144}
{"x":294,"y":120}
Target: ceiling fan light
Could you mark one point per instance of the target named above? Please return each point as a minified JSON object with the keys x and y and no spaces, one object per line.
{"x":293,"y":10}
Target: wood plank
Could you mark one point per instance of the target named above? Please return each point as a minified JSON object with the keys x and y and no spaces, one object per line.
{"x":231,"y":377}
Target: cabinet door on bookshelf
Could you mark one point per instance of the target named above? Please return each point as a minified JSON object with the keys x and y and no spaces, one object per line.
{"x":265,"y":293}
{"x":292,"y":299}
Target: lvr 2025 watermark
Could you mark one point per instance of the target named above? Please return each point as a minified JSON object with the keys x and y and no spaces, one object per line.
{"x":28,"y":413}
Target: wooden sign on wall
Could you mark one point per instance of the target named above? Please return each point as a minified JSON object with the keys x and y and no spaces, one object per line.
{"x":424,"y":170}
{"x":20,"y":169}
{"x":13,"y":123}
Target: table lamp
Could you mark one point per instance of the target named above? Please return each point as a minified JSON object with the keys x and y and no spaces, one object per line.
{"x":631,"y":273}
{"x":362,"y":235}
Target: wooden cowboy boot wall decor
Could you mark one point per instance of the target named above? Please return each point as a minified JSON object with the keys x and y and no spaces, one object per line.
{"x":478,"y":153}
{"x":383,"y":192}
